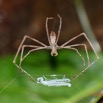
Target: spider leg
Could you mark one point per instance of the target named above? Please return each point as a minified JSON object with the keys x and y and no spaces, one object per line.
{"x":84,"y":70}
{"x":22,"y":58}
{"x":25,"y":73}
{"x":85,"y":47}
{"x":59,"y":28}
{"x":82,"y":34}
{"x":46,"y":26}
{"x":47,"y":31}
{"x":39,"y":48}
{"x":19,"y":66}
{"x":67,"y":47}
{"x":26,"y":37}
{"x":89,"y":64}
{"x":22,"y":51}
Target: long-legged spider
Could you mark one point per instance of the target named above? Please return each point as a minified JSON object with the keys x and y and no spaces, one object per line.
{"x":53,"y":40}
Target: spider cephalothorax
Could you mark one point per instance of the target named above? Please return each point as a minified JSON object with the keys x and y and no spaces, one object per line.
{"x":53,"y":44}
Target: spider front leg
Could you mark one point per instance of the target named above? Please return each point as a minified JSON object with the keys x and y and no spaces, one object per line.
{"x":47,"y":31}
{"x":59,"y":30}
{"x":46,"y":26}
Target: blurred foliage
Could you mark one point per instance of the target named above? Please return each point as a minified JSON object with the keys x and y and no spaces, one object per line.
{"x":22,"y":90}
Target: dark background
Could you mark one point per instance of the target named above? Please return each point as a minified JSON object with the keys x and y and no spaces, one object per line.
{"x":27,"y":17}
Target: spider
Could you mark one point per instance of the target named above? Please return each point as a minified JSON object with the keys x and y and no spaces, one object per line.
{"x":53,"y":40}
